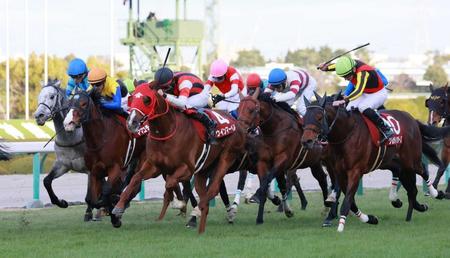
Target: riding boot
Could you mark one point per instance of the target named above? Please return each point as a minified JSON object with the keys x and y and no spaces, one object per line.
{"x":385,"y":129}
{"x":209,"y":124}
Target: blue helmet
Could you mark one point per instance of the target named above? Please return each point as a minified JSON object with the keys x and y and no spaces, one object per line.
{"x":77,"y":67}
{"x":277,"y":76}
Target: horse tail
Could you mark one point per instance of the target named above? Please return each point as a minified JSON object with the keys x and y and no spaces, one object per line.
{"x":432,"y":133}
{"x":431,"y":154}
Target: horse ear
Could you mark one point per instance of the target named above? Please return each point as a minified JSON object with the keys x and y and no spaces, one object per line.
{"x":323,"y":100}
{"x":446,"y":87}
{"x":337,"y":95}
{"x":57,"y":83}
{"x":307,"y":103}
{"x":431,"y":87}
{"x":318,"y":98}
{"x":135,"y":82}
{"x":256,"y":93}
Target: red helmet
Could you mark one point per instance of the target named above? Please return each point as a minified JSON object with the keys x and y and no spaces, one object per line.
{"x":253,"y":80}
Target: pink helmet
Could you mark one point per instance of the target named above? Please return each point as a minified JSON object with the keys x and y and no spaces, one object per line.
{"x":218,"y":68}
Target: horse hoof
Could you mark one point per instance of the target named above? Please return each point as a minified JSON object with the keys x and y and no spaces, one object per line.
{"x":118,"y":212}
{"x":88,"y":217}
{"x":289,"y":213}
{"x":303,"y":206}
{"x":280,"y":208}
{"x":182,"y":214}
{"x":276,"y":200}
{"x":328,"y":203}
{"x":397,"y":203}
{"x":441,"y":195}
{"x":63,"y":204}
{"x":259,"y":222}
{"x":373,"y":220}
{"x":117,"y":224}
{"x":192,"y":223}
{"x":327,"y":223}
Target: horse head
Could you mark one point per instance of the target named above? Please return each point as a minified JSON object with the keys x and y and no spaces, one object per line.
{"x":50,"y":101}
{"x":315,"y":121}
{"x":81,"y":106}
{"x":438,"y":104}
{"x":143,"y":105}
{"x":249,"y":111}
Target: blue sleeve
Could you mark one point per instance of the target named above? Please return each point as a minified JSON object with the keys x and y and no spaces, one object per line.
{"x":383,"y":78}
{"x":350,"y":87}
{"x":70,"y":87}
{"x":115,"y":103}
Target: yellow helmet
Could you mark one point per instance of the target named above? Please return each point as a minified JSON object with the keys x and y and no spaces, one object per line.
{"x":96,"y":75}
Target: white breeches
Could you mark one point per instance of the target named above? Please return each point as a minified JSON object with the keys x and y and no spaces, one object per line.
{"x":369,"y":100}
{"x":308,"y":92}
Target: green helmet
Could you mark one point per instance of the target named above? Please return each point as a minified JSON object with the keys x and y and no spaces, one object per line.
{"x":344,"y":66}
{"x":129,"y":84}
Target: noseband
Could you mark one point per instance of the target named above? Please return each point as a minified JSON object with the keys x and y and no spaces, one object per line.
{"x":53,"y":110}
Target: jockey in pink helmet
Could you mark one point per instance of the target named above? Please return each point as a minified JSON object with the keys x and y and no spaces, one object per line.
{"x":228,"y":80}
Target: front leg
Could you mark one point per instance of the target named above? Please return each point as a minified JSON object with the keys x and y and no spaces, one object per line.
{"x":354,"y":176}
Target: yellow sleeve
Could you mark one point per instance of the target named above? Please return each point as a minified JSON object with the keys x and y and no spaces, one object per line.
{"x":331,"y":67}
{"x":110,"y":87}
{"x":361,"y":81}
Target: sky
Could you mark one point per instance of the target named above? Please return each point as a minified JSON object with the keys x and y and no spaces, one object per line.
{"x":396,"y":28}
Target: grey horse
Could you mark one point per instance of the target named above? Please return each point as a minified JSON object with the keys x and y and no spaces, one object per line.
{"x":69,"y":146}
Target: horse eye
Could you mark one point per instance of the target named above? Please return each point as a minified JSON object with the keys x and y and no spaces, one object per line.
{"x":52,"y":97}
{"x":146,"y":100}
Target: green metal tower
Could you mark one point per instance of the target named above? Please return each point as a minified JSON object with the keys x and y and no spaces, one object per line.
{"x":145,"y":37}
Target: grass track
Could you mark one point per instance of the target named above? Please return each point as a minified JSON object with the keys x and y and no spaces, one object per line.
{"x":58,"y":232}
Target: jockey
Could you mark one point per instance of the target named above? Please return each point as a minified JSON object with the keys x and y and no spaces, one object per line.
{"x":228,"y":80}
{"x":369,"y":90}
{"x":109,"y":90}
{"x":253,"y":82}
{"x":77,"y":72}
{"x":185,"y":90}
{"x":290,"y":86}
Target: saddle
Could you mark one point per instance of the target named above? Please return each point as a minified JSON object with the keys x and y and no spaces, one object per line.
{"x":395,"y":139}
{"x":226,"y":124}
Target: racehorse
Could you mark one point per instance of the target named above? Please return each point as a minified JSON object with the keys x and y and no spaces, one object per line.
{"x":347,"y":131}
{"x":281,"y":129}
{"x":174,"y":147}
{"x":438,"y":105}
{"x":69,"y":146}
{"x":109,"y":149}
{"x":4,"y":155}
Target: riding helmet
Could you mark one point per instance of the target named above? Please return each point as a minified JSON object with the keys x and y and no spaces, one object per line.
{"x":277,"y":76}
{"x":163,"y":76}
{"x":254,"y":81}
{"x":344,"y":66}
{"x":96,"y":75}
{"x":77,"y":67}
{"x":218,"y":68}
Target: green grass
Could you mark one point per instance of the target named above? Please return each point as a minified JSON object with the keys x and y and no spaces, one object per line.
{"x":23,"y":164}
{"x":58,"y":232}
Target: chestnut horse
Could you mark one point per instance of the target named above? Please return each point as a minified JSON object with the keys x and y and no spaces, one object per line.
{"x":109,"y":149}
{"x":282,"y":131}
{"x":175,"y":148}
{"x":348,"y":131}
{"x":438,"y":105}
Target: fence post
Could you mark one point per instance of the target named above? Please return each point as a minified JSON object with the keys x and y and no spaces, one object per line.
{"x":360,"y":187}
{"x":37,"y":167}
{"x":142,"y":192}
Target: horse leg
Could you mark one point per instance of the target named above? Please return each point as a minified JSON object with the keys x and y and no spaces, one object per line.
{"x":353,"y":178}
{"x":57,"y":170}
{"x":200,"y":187}
{"x":332,"y":214}
{"x":431,"y":189}
{"x":295,"y":181}
{"x":369,"y":219}
{"x":114,"y":184}
{"x":147,"y":171}
{"x":393,"y":196}
{"x":188,"y":195}
{"x":321,"y":177}
{"x":168,"y":195}
{"x":231,"y":209}
{"x":179,"y":203}
{"x":408,"y":180}
{"x":240,"y":186}
{"x":281,"y":179}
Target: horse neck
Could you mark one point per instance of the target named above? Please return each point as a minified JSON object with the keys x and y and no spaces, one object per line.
{"x":163,"y":124}
{"x":271,"y":117}
{"x":94,"y":129}
{"x":342,"y":127}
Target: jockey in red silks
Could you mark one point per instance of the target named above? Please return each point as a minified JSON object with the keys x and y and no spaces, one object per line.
{"x":185,"y":91}
{"x":228,"y":80}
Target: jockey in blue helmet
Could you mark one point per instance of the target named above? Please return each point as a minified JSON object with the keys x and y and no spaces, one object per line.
{"x":77,"y":72}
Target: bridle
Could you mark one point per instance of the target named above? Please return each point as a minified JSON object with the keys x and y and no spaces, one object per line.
{"x":253,"y":121}
{"x":53,"y":110}
{"x":443,"y":113}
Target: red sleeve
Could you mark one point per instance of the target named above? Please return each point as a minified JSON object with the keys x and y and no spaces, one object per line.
{"x":295,"y":86}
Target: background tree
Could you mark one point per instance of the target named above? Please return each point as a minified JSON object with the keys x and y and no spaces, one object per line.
{"x":436,"y":74}
{"x":249,"y":58}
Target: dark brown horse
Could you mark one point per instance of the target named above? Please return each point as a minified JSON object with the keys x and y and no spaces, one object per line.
{"x":109,"y":150}
{"x":438,"y":105}
{"x":353,"y":153}
{"x":282,"y":131}
{"x":175,"y":148}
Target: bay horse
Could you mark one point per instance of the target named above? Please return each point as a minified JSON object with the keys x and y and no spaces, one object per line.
{"x":281,"y":131}
{"x":346,"y":131}
{"x":109,"y":149}
{"x":175,"y":148}
{"x":69,"y":146}
{"x":438,"y":105}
